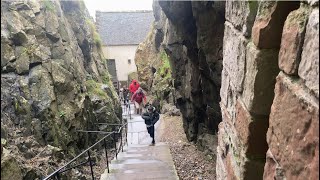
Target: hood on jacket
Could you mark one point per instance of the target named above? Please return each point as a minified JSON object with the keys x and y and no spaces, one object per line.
{"x":134,"y":81}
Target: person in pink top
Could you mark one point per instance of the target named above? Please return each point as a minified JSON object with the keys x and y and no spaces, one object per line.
{"x":139,"y":98}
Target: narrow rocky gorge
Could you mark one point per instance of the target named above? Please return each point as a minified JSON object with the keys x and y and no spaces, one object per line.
{"x":244,"y":72}
{"x":54,"y":81}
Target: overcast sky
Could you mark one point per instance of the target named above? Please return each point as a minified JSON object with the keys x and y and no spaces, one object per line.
{"x":117,"y":5}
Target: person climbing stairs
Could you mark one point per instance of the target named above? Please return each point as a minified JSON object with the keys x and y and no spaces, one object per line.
{"x":139,"y":160}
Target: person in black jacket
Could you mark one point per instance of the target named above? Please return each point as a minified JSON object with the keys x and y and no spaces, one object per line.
{"x":150,"y":118}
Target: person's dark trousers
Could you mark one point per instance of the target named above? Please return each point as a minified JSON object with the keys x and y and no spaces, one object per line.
{"x":151,"y":132}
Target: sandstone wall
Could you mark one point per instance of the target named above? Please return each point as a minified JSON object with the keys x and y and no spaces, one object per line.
{"x":269,"y":92}
{"x":53,"y":82}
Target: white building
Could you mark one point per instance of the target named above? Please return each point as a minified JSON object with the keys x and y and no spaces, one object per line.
{"x":121,"y":33}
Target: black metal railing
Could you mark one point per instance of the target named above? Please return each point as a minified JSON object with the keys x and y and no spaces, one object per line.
{"x":57,"y":173}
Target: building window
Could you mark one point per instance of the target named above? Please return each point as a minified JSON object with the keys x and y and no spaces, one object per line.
{"x":129,"y":61}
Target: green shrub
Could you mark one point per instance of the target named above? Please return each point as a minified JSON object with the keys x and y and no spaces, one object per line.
{"x":165,"y":69}
{"x":105,"y":78}
{"x":96,"y":36}
{"x":62,"y":114}
{"x":94,"y":88}
{"x":49,"y":5}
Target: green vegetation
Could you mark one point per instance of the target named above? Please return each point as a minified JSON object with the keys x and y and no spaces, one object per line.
{"x":94,"y":88}
{"x":106,"y":78}
{"x":62,"y":114}
{"x":96,"y":37}
{"x":49,"y":5}
{"x":265,"y":8}
{"x":29,"y":50}
{"x":165,"y":69}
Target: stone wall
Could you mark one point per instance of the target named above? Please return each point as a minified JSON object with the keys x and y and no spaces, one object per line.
{"x":269,"y":92}
{"x":53,"y":83}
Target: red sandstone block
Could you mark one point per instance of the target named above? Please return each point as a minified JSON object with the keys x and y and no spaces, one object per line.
{"x":293,"y":134}
{"x":292,"y":40}
{"x":251,"y":131}
{"x":267,"y":28}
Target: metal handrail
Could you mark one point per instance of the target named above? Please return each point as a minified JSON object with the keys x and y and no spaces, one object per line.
{"x":58,"y":171}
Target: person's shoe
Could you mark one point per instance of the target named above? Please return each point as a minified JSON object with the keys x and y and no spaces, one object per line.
{"x":152,"y":143}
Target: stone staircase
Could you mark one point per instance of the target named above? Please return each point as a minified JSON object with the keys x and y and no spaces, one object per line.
{"x":142,"y":162}
{"x":139,"y":160}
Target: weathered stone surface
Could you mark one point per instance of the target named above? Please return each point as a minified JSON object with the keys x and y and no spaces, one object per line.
{"x":261,"y":71}
{"x":22,"y":63}
{"x":234,"y":50}
{"x":40,"y":53}
{"x":313,"y":2}
{"x":292,"y":40}
{"x":170,"y":110}
{"x":10,"y":168}
{"x":241,"y":15}
{"x":52,"y":26}
{"x":53,"y":99}
{"x":228,"y":96}
{"x":7,"y":54}
{"x":41,"y":89}
{"x":267,"y":28}
{"x":13,"y":22}
{"x":272,"y":169}
{"x":309,"y":65}
{"x":209,"y":17}
{"x":293,"y":134}
{"x":251,"y":132}
{"x":221,"y":172}
{"x":230,"y":150}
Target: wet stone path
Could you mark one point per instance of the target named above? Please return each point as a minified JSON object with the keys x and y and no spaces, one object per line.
{"x":139,"y":160}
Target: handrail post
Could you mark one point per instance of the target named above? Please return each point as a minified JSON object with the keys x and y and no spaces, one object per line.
{"x":130,"y":110}
{"x":127,"y":134}
{"x":115,"y":144}
{"x":92,"y":175}
{"x":105,"y":148}
{"x":58,"y":176}
{"x":121,"y":140}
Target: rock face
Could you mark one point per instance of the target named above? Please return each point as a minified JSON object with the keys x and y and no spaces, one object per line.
{"x":54,"y":82}
{"x":154,"y":67}
{"x":181,"y":63}
{"x":193,"y":41}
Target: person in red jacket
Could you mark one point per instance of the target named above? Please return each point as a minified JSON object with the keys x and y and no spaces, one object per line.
{"x":138,"y":98}
{"x":134,"y":86}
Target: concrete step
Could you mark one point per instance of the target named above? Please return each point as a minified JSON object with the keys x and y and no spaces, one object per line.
{"x":142,"y":162}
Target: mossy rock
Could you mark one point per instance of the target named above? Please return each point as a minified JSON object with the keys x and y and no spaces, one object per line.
{"x":10,"y":169}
